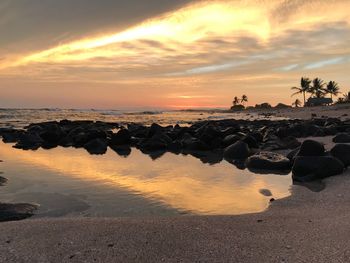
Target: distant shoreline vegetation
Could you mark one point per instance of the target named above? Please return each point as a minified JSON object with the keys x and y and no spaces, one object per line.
{"x":316,"y":88}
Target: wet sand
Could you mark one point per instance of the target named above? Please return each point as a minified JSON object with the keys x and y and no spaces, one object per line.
{"x":306,"y":227}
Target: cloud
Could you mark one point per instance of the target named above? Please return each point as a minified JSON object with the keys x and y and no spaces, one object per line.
{"x":222,"y":43}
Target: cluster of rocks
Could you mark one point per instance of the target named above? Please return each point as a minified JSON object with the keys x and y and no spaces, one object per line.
{"x":244,"y":143}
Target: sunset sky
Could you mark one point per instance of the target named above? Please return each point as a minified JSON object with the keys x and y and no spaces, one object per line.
{"x":135,"y":54}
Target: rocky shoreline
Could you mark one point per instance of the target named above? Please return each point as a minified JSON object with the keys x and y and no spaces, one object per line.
{"x":255,"y":145}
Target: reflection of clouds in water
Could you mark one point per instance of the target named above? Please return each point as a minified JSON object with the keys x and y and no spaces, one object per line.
{"x":177,"y":181}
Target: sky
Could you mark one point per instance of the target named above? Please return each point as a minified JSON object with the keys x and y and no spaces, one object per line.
{"x":136,"y":54}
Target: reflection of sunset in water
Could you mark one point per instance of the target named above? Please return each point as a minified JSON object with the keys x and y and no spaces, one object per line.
{"x":180,"y":182}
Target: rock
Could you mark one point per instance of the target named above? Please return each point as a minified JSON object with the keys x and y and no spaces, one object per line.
{"x":289,"y":142}
{"x":122,"y":137}
{"x":309,"y":168}
{"x":342,"y":152}
{"x":265,"y":192}
{"x":311,"y":148}
{"x":230,"y":139}
{"x":28,"y":141}
{"x":3,"y":180}
{"x":11,"y":212}
{"x":96,"y":146}
{"x":251,"y":141}
{"x":293,"y":154}
{"x":268,"y":161}
{"x":342,"y":138}
{"x":155,"y":128}
{"x":238,"y":150}
{"x":51,"y":134}
{"x":122,"y":150}
{"x":11,"y":135}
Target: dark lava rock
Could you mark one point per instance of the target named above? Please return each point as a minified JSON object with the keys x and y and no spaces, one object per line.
{"x":3,"y":180}
{"x":293,"y":154}
{"x":122,"y":137}
{"x":268,"y":161}
{"x":311,"y":148}
{"x":230,"y":139}
{"x":51,"y":134}
{"x":11,"y":135}
{"x":342,"y":138}
{"x":238,"y":150}
{"x":122,"y":150}
{"x":265,"y":192}
{"x":12,"y":212}
{"x":342,"y":152}
{"x":28,"y":141}
{"x":251,"y":141}
{"x":289,"y":142}
{"x":96,"y":146}
{"x":309,"y":168}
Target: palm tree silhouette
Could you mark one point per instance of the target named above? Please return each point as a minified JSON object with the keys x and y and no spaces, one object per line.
{"x":317,"y":88}
{"x":296,"y":103}
{"x":244,"y":99}
{"x":304,"y":87}
{"x":332,"y":89}
{"x":235,"y":101}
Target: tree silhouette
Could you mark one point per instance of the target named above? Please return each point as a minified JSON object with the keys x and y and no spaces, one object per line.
{"x":244,"y":99}
{"x":332,"y":89}
{"x":235,"y":101}
{"x":304,"y":87}
{"x":296,"y":103}
{"x":317,"y":88}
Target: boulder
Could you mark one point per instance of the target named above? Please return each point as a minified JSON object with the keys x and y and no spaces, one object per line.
{"x":268,"y":161}
{"x":3,"y":180}
{"x":29,"y":141}
{"x":238,"y":150}
{"x":251,"y":141}
{"x":122,"y":150}
{"x":342,"y":138}
{"x":311,"y":148}
{"x":122,"y":137}
{"x":96,"y":146}
{"x":309,"y":168}
{"x":11,"y":212}
{"x":51,"y":133}
{"x":342,"y":152}
{"x":230,"y":139}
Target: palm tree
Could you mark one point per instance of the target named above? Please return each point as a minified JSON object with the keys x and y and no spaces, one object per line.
{"x":236,"y":101}
{"x":347,"y":97}
{"x":317,"y":88}
{"x":296,"y":103}
{"x":332,"y":88}
{"x":244,"y":99}
{"x":304,"y":87}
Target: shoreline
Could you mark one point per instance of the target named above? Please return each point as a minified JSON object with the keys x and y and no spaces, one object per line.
{"x":306,"y":226}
